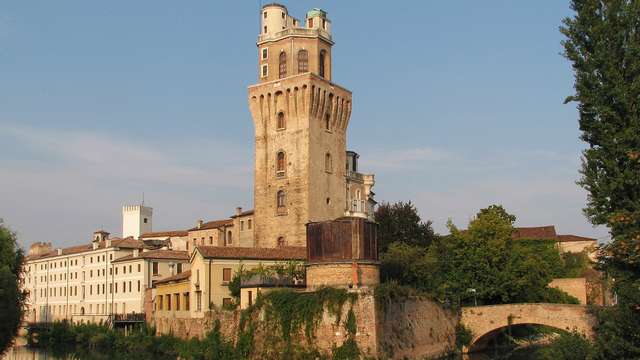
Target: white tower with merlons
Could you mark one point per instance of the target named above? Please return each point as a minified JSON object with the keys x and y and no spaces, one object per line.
{"x":136,"y":220}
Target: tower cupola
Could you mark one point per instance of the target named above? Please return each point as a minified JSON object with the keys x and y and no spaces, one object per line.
{"x":274,"y":19}
{"x":317,"y":19}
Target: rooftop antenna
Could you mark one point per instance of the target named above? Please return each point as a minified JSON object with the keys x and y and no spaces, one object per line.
{"x":259,"y":16}
{"x":143,"y":198}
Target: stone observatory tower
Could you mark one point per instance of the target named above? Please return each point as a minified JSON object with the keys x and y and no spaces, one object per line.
{"x":300,"y":118}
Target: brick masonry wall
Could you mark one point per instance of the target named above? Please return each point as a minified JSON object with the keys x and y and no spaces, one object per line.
{"x":339,"y":274}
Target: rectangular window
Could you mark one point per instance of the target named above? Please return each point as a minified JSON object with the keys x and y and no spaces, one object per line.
{"x":138,"y":285}
{"x":198,"y":301}
{"x":210,"y":240}
{"x":226,"y":275}
{"x":179,"y":268}
{"x":130,"y":269}
{"x":241,"y":225}
{"x":265,"y":71}
{"x":186,"y":301}
{"x":250,"y":296}
{"x":168,"y":302}
{"x":155,"y":268}
{"x":138,"y":267}
{"x":160,"y":302}
{"x":177,"y":300}
{"x":249,"y":224}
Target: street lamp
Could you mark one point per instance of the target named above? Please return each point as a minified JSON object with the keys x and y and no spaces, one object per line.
{"x":475,"y":299}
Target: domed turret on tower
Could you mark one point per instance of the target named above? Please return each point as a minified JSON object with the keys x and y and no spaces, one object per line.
{"x":288,"y":47}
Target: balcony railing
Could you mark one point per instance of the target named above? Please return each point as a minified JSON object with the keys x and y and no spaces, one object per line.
{"x":271,"y":281}
{"x":295,"y":31}
{"x":355,"y":176}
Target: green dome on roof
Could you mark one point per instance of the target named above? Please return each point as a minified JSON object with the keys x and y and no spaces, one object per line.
{"x":316,"y":12}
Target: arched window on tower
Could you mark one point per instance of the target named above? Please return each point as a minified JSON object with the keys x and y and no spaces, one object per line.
{"x":281,"y":122}
{"x":281,"y":199}
{"x":281,"y":164}
{"x":327,"y":162}
{"x":229,"y":237}
{"x":303,"y":61}
{"x":283,"y":64}
{"x":321,"y":63}
{"x":327,"y":122}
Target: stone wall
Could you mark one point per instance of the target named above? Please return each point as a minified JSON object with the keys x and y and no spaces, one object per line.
{"x":416,"y":328}
{"x":328,"y":332}
{"x":185,"y":327}
{"x":576,"y":287}
{"x":413,"y":328}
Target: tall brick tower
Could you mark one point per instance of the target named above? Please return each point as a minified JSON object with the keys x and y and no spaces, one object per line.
{"x":300,"y":120}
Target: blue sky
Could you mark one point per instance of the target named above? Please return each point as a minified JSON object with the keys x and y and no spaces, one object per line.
{"x":457,"y":105}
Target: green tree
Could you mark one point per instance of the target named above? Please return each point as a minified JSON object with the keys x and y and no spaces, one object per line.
{"x":483,"y":258}
{"x":400,"y":222}
{"x":12,"y":296}
{"x":497,"y":210}
{"x":603,"y":45}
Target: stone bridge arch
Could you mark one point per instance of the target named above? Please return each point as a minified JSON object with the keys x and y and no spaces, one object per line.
{"x":484,"y":321}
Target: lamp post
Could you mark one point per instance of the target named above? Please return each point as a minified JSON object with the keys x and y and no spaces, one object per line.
{"x":475,"y":299}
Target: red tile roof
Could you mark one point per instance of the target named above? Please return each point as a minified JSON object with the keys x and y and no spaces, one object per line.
{"x":230,"y":252}
{"x":172,"y":233}
{"x":185,"y":275}
{"x":570,"y":238}
{"x":538,"y":232}
{"x":213,"y":225}
{"x":126,"y":243}
{"x":244,"y":213}
{"x":156,"y":254}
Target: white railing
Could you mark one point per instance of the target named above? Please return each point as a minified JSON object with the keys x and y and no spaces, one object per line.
{"x":295,"y":31}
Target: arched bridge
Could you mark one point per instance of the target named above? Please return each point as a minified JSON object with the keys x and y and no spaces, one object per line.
{"x":486,"y":321}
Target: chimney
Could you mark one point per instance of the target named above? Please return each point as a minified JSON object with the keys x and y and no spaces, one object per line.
{"x":238,"y":211}
{"x":135,"y":252}
{"x":107,"y":243}
{"x":199,"y":223}
{"x":59,"y":251}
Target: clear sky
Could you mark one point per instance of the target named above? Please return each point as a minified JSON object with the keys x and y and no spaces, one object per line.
{"x":457,"y":105}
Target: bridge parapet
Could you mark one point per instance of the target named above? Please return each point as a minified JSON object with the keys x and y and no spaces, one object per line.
{"x":483,"y":321}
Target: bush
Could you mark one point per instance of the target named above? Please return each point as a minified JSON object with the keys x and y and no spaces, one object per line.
{"x":567,"y":346}
{"x":463,"y":336}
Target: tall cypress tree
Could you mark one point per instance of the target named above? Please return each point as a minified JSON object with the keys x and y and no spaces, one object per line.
{"x":603,"y":45}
